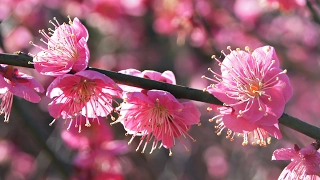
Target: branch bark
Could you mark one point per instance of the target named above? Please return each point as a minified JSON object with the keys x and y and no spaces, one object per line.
{"x":182,"y":92}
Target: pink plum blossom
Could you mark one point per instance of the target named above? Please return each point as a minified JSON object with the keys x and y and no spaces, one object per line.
{"x":157,"y":114}
{"x":253,"y":84}
{"x":257,"y":133}
{"x":86,"y":93}
{"x":66,"y":51}
{"x":305,"y":162}
{"x":13,"y":82}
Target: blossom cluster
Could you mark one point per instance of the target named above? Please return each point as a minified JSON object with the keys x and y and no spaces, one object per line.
{"x":81,"y":95}
{"x":252,"y":87}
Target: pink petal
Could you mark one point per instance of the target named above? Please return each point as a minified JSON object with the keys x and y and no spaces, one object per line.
{"x":79,"y":29}
{"x":273,"y":130}
{"x":190,"y":114}
{"x":166,"y":76}
{"x":3,"y":83}
{"x":92,"y":109}
{"x":253,"y":114}
{"x":51,"y":65}
{"x":264,"y":55}
{"x":167,"y":141}
{"x":239,"y":125}
{"x":153,"y":75}
{"x":25,"y":92}
{"x":268,"y":120}
{"x":284,"y":154}
{"x":59,"y":109}
{"x":138,"y":98}
{"x":219,"y":91}
{"x":31,"y":82}
{"x":132,"y":72}
{"x":166,"y":99}
{"x":62,"y":81}
{"x":84,"y":55}
{"x":283,"y":85}
{"x":277,"y":103}
{"x":93,"y":75}
{"x":235,"y":61}
{"x":169,"y":76}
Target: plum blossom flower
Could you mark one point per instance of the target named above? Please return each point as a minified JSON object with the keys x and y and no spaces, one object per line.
{"x":257,"y":133}
{"x":86,"y":93}
{"x":154,"y":113}
{"x":13,"y":82}
{"x":252,"y":84}
{"x":157,"y":114}
{"x":66,"y":51}
{"x":305,"y":162}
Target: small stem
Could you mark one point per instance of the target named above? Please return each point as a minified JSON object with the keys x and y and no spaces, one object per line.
{"x":176,"y":90}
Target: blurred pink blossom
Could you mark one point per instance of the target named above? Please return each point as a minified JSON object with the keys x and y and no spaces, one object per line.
{"x":93,"y":136}
{"x":286,"y":5}
{"x":13,"y":82}
{"x":86,"y":93}
{"x":23,"y":163}
{"x":67,"y":49}
{"x":97,"y":164}
{"x":247,"y":10}
{"x":14,"y":41}
{"x":305,"y":162}
{"x":253,"y":84}
{"x":6,"y":151}
{"x":177,"y":17}
{"x":157,"y":114}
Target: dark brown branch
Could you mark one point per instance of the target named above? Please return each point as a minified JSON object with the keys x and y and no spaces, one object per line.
{"x":182,"y":92}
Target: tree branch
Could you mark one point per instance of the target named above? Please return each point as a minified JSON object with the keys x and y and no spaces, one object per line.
{"x":23,"y":60}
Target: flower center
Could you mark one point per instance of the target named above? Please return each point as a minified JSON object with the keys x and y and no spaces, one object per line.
{"x":161,"y":115}
{"x":85,"y":90}
{"x":254,"y":89}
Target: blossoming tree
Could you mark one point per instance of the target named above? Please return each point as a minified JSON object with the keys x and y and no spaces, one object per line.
{"x":96,"y":73}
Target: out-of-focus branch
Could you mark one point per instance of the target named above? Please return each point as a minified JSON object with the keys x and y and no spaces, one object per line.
{"x":313,"y":11}
{"x":182,"y":92}
{"x":39,"y":135}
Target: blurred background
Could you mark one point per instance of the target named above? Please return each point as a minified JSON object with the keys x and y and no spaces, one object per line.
{"x":176,"y":35}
